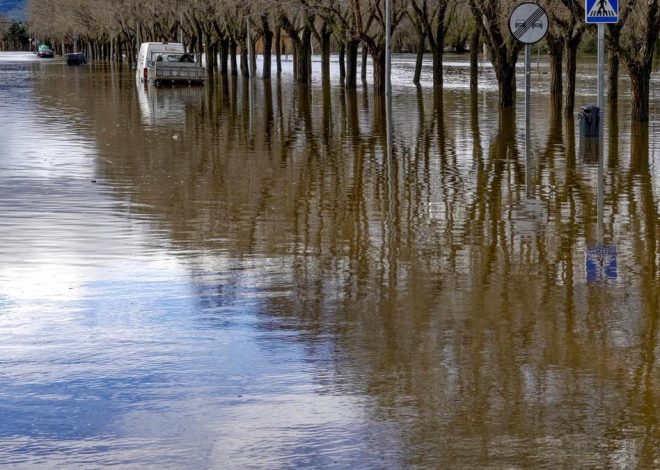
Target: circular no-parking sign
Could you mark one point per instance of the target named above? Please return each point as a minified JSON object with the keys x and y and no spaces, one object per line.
{"x":528,"y":23}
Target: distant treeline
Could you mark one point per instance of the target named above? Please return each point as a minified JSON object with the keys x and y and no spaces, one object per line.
{"x":13,"y":35}
{"x":113,"y":30}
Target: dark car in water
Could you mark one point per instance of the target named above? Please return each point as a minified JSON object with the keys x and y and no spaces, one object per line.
{"x":45,"y":52}
{"x":76,"y":58}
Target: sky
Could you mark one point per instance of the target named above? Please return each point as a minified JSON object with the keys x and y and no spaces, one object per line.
{"x":13,"y":8}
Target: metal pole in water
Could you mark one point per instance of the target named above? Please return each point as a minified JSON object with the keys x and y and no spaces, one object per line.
{"x":528,"y":112}
{"x":601,"y":126}
{"x":250,"y":49}
{"x":601,"y":78}
{"x":528,"y":82}
{"x":391,"y":174}
{"x":600,"y":199}
{"x":388,"y":46}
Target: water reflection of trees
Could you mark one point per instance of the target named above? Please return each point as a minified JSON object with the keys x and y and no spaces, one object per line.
{"x":481,"y":341}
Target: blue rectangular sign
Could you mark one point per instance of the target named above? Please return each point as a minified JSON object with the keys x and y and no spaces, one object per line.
{"x":602,"y":11}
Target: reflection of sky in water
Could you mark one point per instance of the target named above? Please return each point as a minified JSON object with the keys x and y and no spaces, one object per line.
{"x":111,"y":355}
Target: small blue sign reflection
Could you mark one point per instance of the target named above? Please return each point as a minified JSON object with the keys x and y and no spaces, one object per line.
{"x":601,"y":263}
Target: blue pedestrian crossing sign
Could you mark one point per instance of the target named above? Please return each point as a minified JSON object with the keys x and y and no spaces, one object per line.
{"x":602,"y":11}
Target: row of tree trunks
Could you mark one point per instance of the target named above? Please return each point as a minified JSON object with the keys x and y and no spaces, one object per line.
{"x":222,"y":55}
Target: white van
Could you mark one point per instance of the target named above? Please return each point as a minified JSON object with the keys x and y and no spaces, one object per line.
{"x":167,"y":62}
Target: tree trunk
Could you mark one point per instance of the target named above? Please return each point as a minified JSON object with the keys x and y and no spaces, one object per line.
{"x":474,"y":59}
{"x":614,"y":37}
{"x":342,"y":62}
{"x":378,"y":59}
{"x":130,"y":53}
{"x":438,"y":54}
{"x":640,"y":80}
{"x":224,"y":56}
{"x":303,"y":64}
{"x":268,"y":46}
{"x":613,"y":78}
{"x":309,"y":59}
{"x":245,"y":63}
{"x":556,"y":52}
{"x":278,"y":49}
{"x":326,"y":36}
{"x":232,"y":53}
{"x":419,"y":60}
{"x":363,"y":70}
{"x":302,"y":51}
{"x":211,"y":58}
{"x":571,"y":69}
{"x":352,"y":59}
{"x":506,"y":79}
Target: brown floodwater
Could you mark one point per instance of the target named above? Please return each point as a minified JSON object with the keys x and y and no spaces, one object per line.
{"x":255,"y":274}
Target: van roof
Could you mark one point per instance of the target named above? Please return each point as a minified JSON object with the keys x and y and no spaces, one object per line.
{"x":163,"y":43}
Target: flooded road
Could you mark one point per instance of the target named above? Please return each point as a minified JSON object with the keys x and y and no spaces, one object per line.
{"x":246,"y":276}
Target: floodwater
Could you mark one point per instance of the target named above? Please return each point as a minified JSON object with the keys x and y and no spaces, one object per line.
{"x":273,"y":277}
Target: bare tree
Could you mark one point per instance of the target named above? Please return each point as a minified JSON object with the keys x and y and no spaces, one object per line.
{"x":641,"y":25}
{"x":369,"y":17}
{"x":492,"y":17}
{"x":297,"y":21}
{"x":432,"y":22}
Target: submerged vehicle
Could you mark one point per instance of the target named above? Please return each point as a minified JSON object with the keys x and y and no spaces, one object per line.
{"x":45,"y":52}
{"x":167,"y":63}
{"x":76,"y":58}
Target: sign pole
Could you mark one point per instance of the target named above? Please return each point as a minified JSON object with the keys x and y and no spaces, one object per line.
{"x":601,"y":130}
{"x":528,"y":82}
{"x":250,"y":51}
{"x":528,"y":117}
{"x":388,"y":47}
{"x":601,"y":77}
{"x":528,"y":23}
